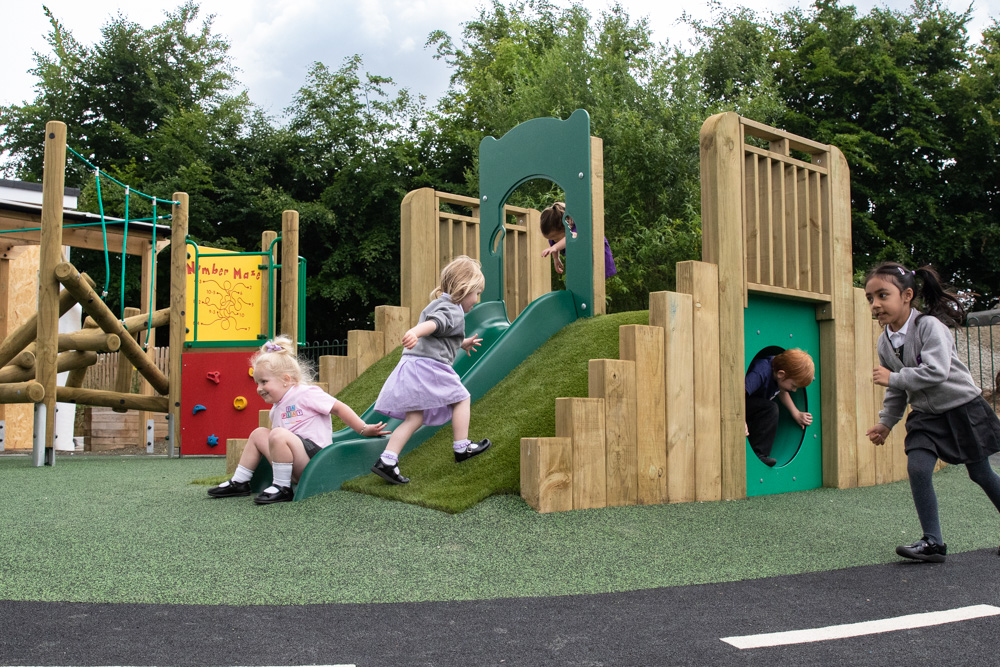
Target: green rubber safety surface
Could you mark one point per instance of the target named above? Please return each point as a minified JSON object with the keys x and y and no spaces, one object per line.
{"x":133,"y":529}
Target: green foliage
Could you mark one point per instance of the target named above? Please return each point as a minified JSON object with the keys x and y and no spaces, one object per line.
{"x":532,"y":59}
{"x":902,"y":95}
{"x":912,"y":104}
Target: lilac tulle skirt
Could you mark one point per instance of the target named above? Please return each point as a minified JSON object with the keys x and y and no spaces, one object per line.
{"x":420,"y":384}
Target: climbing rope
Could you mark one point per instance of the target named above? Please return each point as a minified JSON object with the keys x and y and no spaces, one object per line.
{"x":154,"y":219}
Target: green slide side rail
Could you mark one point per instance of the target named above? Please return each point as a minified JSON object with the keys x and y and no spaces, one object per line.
{"x":505,"y":346}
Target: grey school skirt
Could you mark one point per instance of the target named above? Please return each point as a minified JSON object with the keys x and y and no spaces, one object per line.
{"x":965,"y":434}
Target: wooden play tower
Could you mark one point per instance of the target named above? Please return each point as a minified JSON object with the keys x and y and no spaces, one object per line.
{"x":32,"y":354}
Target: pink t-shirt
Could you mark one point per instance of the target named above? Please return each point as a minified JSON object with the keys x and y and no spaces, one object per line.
{"x":305,"y":411}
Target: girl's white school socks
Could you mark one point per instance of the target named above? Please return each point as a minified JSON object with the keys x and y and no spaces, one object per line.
{"x":461,"y":445}
{"x":241,"y":475}
{"x":282,"y":474}
{"x":389,"y":458}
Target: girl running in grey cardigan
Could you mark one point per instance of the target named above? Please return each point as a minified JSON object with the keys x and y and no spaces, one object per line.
{"x":949,"y":419}
{"x":424,"y":388}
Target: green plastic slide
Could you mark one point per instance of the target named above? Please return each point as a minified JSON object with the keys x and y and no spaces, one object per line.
{"x":505,"y":345}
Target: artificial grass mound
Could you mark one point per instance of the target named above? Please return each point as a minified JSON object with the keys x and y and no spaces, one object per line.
{"x":521,"y":405}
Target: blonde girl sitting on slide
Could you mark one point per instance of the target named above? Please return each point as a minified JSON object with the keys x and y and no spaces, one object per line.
{"x":300,"y":424}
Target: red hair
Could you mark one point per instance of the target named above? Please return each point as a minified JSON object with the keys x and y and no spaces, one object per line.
{"x":797,"y":365}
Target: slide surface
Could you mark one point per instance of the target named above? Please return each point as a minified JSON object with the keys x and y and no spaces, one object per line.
{"x":505,"y":345}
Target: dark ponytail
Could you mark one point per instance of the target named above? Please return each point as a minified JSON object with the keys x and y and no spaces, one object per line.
{"x":937,"y":301}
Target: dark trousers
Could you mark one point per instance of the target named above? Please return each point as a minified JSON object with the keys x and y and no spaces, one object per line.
{"x":762,"y":422}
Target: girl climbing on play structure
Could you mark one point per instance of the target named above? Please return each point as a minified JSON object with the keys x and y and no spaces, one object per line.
{"x":551,"y":223}
{"x":424,"y":388}
{"x":769,"y":377}
{"x":300,"y":424}
{"x":949,"y":419}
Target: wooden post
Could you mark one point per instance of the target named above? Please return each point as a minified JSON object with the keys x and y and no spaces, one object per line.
{"x":290,"y":275}
{"x":337,"y":371}
{"x":147,"y":339}
{"x":22,"y":392}
{"x":392,"y":322}
{"x":701,"y":281}
{"x":67,"y":274}
{"x":547,"y":473}
{"x":722,"y":244}
{"x":597,"y":221}
{"x":864,"y":395}
{"x":112,"y":399}
{"x":540,"y":275}
{"x":614,"y":381}
{"x":178,"y":316}
{"x":234,"y":450}
{"x":581,"y":420}
{"x":644,"y":346}
{"x":418,"y":262}
{"x":123,"y":376}
{"x":53,"y":190}
{"x":366,"y":347}
{"x":28,"y":331}
{"x":266,"y":316}
{"x":836,"y":336}
{"x":65,"y":361}
{"x":674,"y":312}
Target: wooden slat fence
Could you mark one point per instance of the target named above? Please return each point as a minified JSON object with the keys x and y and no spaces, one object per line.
{"x":102,"y":374}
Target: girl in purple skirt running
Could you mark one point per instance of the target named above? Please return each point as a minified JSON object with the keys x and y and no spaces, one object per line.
{"x":424,"y":388}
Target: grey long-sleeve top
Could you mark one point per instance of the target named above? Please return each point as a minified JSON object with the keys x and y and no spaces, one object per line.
{"x":930,"y":376}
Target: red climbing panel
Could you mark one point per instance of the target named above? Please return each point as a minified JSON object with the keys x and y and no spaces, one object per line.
{"x":215,"y":380}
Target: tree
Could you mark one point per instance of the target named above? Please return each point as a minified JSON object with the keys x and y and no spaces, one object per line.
{"x":531,"y":59}
{"x":350,"y":150}
{"x":894,"y":91}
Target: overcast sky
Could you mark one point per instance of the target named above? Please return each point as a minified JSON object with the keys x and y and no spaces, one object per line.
{"x":274,"y":42}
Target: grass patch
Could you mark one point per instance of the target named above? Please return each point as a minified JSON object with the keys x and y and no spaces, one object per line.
{"x":522,"y":405}
{"x":361,"y":393}
{"x":210,"y":481}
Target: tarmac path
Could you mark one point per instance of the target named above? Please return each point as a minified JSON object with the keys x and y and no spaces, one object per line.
{"x":665,"y":626}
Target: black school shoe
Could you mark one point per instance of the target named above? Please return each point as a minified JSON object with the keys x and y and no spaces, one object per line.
{"x":389,"y":473}
{"x":230,"y":490}
{"x":925,"y":550}
{"x":474,"y":449}
{"x":282,"y":495}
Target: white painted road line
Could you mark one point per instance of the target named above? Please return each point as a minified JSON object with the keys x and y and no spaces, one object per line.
{"x":866,"y":628}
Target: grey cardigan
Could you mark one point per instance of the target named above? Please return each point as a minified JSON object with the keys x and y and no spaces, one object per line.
{"x":443,"y":344}
{"x":930,"y":377}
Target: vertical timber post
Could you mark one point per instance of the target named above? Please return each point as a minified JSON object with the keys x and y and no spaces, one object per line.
{"x":290,"y":275}
{"x":722,"y":244}
{"x":178,"y":318}
{"x":266,"y":311}
{"x":46,"y":349}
